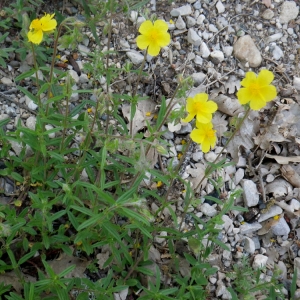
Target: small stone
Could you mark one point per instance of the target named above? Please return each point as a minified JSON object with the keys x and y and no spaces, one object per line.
{"x":270,"y":178}
{"x":197,"y":4}
{"x":217,"y":56}
{"x":31,"y":105}
{"x":290,"y":31}
{"x":223,"y":292}
{"x":297,"y":266}
{"x":281,"y":228}
{"x":7,"y":81}
{"x":200,"y":19}
{"x":245,"y":50}
{"x":294,"y":205}
{"x":249,"y":245}
{"x":204,"y":50}
{"x":228,"y":50}
{"x":251,"y":196}
{"x":260,"y":261}
{"x":272,"y":212}
{"x":274,"y":37}
{"x":74,"y":75}
{"x":181,"y":11}
{"x":197,"y":156}
{"x":239,"y":175}
{"x":268,"y":14}
{"x":220,"y":7}
{"x":185,"y":129}
{"x":180,"y":24}
{"x":210,"y":156}
{"x":212,"y":28}
{"x":133,"y":16}
{"x":84,"y":50}
{"x":135,"y":57}
{"x":227,"y":254}
{"x":11,"y":111}
{"x":296,"y":83}
{"x":198,"y":78}
{"x":168,"y":135}
{"x":190,"y":22}
{"x":228,"y":224}
{"x":124,"y":44}
{"x":193,"y":37}
{"x":49,"y":127}
{"x":30,"y":122}
{"x":277,"y":52}
{"x":198,"y":60}
{"x":250,"y":227}
{"x":159,"y":239}
{"x":208,"y":210}
{"x":139,"y":21}
{"x":289,"y":11}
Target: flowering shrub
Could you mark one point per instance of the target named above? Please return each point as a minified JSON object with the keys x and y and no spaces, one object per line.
{"x":40,"y":26}
{"x":257,"y":89}
{"x":153,"y":36}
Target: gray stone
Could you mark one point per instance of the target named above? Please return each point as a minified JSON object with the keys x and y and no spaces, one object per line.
{"x":193,"y":37}
{"x":222,"y":292}
{"x":249,"y":245}
{"x":274,"y":37}
{"x":7,"y":81}
{"x":31,"y":105}
{"x":228,"y":224}
{"x":297,"y":266}
{"x":217,"y":56}
{"x":181,"y":11}
{"x":250,"y":227}
{"x":135,"y":57}
{"x":251,"y":196}
{"x":281,"y":228}
{"x":197,"y":156}
{"x":200,"y":19}
{"x":198,"y":60}
{"x":124,"y":44}
{"x":49,"y":127}
{"x":84,"y":50}
{"x":74,"y":75}
{"x":260,"y":261}
{"x":198,"y":78}
{"x":268,"y":14}
{"x":246,"y":51}
{"x":228,"y":50}
{"x":289,"y":11}
{"x":180,"y":24}
{"x":11,"y":111}
{"x":30,"y":122}
{"x":204,"y":50}
{"x":208,"y":210}
{"x":185,"y":129}
{"x":212,"y":28}
{"x":190,"y":22}
{"x":272,"y":212}
{"x":197,"y":4}
{"x":296,"y":83}
{"x":220,"y":7}
{"x":277,"y":52}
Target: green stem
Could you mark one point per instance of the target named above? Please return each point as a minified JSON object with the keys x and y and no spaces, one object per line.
{"x":36,"y":74}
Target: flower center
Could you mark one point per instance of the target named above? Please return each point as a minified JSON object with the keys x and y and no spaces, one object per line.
{"x":198,"y":106}
{"x":210,"y":133}
{"x":153,"y":35}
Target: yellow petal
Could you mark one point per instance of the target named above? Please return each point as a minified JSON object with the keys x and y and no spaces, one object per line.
{"x":48,"y":24}
{"x":210,"y":107}
{"x":244,"y":95}
{"x":188,"y":118}
{"x":205,"y":146}
{"x":197,"y":136}
{"x":145,"y":27}
{"x":202,"y":97}
{"x":204,"y":117}
{"x":161,"y":25}
{"x":265,"y":77}
{"x":35,"y":36}
{"x":163,"y":39}
{"x":35,"y":24}
{"x":269,"y":92}
{"x":249,"y":79}
{"x":257,"y":104}
{"x":153,"y":49}
{"x":142,"y":42}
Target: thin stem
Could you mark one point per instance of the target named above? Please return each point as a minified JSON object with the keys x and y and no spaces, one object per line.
{"x":135,"y":90}
{"x":238,"y":127}
{"x":36,"y":74}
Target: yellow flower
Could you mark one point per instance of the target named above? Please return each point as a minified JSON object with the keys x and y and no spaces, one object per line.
{"x":201,"y":108}
{"x":257,"y":89}
{"x":205,"y":135}
{"x":159,"y":184}
{"x":153,"y":36}
{"x":40,"y":26}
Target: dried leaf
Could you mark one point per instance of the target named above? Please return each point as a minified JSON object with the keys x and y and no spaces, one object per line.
{"x":283,"y":160}
{"x":102,"y":258}
{"x":267,"y":225}
{"x":220,"y":124}
{"x":197,"y":175}
{"x":290,"y":175}
{"x":10,"y":278}
{"x":121,"y":295}
{"x":228,"y":106}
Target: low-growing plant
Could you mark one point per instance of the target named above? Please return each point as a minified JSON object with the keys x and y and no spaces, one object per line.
{"x":81,"y":174}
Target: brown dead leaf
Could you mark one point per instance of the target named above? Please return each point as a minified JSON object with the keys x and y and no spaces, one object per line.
{"x":10,"y":278}
{"x":197,"y":175}
{"x":290,"y":175}
{"x":283,"y":160}
{"x":64,"y":261}
{"x":267,"y":225}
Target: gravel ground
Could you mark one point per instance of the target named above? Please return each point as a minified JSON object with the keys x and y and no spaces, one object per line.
{"x":214,"y":42}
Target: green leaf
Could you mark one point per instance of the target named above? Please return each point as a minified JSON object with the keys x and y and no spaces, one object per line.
{"x":27,"y":93}
{"x":134,"y":215}
{"x":17,"y":177}
{"x":25,"y":75}
{"x":66,"y":271}
{"x":4,"y":122}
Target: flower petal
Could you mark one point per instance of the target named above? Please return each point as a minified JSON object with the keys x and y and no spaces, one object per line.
{"x":48,"y":24}
{"x":202,"y":97}
{"x":161,"y":25}
{"x":244,"y":95}
{"x":163,"y":39}
{"x":35,"y":24}
{"x":145,"y":27}
{"x":197,"y":136}
{"x":257,"y":104}
{"x":142,"y":42}
{"x":205,"y":146}
{"x":35,"y":36}
{"x":269,"y":92}
{"x":204,"y":117}
{"x":249,"y":79}
{"x":265,"y":77}
{"x":189,"y":118}
{"x":210,"y":107}
{"x":153,"y":49}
